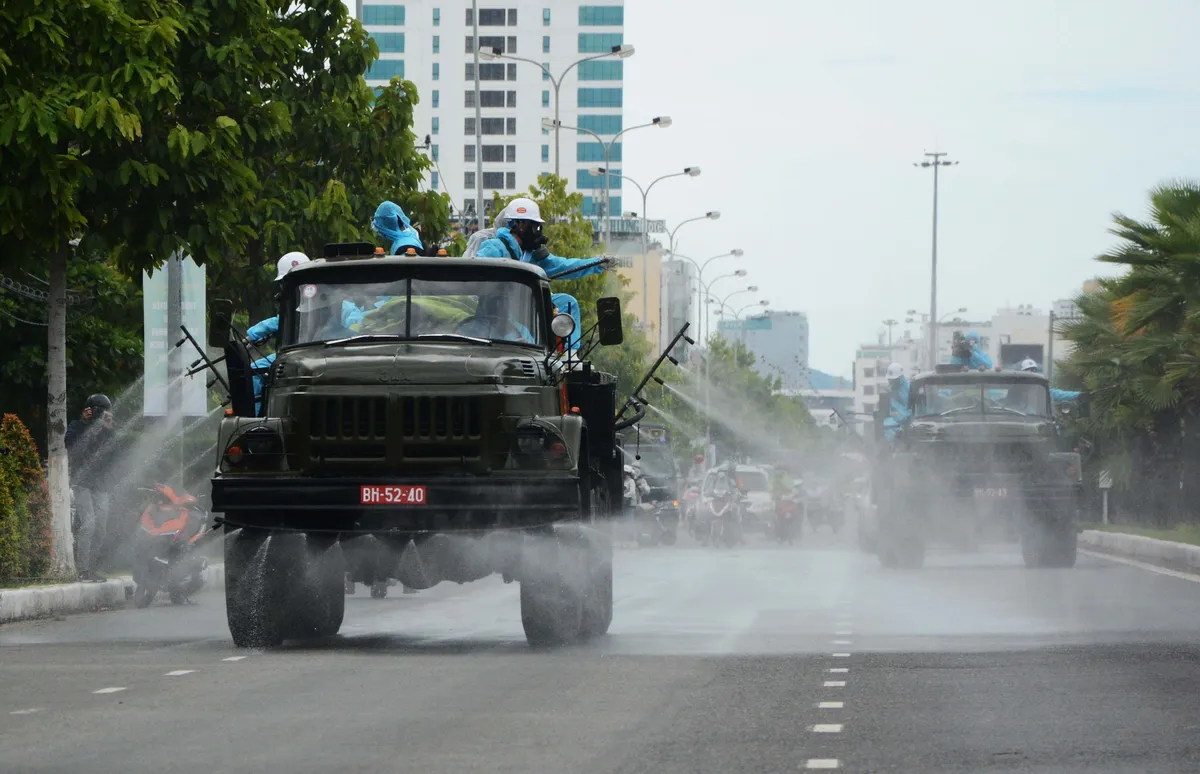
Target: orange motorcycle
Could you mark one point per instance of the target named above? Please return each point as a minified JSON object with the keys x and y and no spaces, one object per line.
{"x":172,"y":529}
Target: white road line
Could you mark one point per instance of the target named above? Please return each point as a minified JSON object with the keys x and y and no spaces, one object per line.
{"x":1144,"y":566}
{"x":822,"y":763}
{"x":109,"y":690}
{"x":827,"y":728}
{"x":233,"y":658}
{"x":835,"y":683}
{"x":840,"y":655}
{"x":831,"y":705}
{"x":179,"y":672}
{"x":838,"y":670}
{"x":842,"y":642}
{"x":843,"y":633}
{"x":29,"y":711}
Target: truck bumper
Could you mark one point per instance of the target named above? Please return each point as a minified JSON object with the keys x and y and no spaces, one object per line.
{"x":450,"y":505}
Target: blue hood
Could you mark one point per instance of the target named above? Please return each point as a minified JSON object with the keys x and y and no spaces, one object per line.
{"x":391,"y":223}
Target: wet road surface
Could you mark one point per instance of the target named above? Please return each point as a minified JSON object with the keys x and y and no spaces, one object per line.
{"x":761,"y":659}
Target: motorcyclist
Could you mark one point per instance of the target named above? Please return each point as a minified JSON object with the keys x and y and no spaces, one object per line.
{"x":1056,"y":396}
{"x":522,"y":239}
{"x":966,"y":351}
{"x":898,"y":413}
{"x":391,"y":223}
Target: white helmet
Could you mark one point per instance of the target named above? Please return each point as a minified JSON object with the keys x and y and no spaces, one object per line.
{"x":288,"y":262}
{"x":523,"y":208}
{"x":895,"y":371}
{"x":1028,"y":365}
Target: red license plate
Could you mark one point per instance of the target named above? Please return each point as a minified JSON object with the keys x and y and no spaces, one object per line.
{"x":980,"y":492}
{"x":392,"y":495}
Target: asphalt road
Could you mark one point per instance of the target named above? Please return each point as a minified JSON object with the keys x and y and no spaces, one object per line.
{"x":761,"y":659}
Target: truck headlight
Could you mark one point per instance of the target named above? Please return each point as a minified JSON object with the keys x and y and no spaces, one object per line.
{"x":259,"y":448}
{"x":539,"y":445}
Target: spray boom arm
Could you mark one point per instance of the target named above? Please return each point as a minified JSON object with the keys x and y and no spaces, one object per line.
{"x":636,"y":400}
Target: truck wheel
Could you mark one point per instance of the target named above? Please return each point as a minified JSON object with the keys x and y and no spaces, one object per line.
{"x":560,"y":571}
{"x":259,"y":569}
{"x":319,"y":595}
{"x":1049,"y":544}
{"x":598,"y":596}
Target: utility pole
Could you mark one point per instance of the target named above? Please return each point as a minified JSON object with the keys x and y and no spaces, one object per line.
{"x":478,"y":119}
{"x":890,"y":323}
{"x":934,"y":160}
{"x":175,"y":354}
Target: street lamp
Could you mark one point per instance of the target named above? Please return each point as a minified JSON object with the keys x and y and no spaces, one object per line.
{"x":738,"y":314}
{"x":710,"y":215}
{"x":700,"y":286}
{"x":687,"y":172}
{"x":620,"y":52}
{"x":890,"y":323}
{"x":935,"y":161}
{"x":553,"y":123}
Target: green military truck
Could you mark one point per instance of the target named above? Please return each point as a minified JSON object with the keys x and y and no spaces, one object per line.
{"x":980,"y":445}
{"x":420,"y":423}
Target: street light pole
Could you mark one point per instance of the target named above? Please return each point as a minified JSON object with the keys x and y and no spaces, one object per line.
{"x":934,"y":160}
{"x":890,"y":323}
{"x":478,"y":121}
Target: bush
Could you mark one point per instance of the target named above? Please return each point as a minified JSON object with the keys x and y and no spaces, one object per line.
{"x":25,"y":539}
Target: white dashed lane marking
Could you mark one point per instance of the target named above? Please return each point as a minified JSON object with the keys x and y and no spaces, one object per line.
{"x":835,"y":683}
{"x":831,"y":705}
{"x":29,"y":711}
{"x":837,"y":670}
{"x":233,"y":658}
{"x":842,"y":642}
{"x":179,"y":672}
{"x":109,"y":690}
{"x":840,"y":655}
{"x":822,"y":763}
{"x":827,"y":728}
{"x":843,"y":632}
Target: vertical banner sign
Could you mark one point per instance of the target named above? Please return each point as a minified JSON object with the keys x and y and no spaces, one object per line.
{"x":157,"y":340}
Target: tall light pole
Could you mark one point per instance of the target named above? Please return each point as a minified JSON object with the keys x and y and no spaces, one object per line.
{"x":553,"y":123}
{"x":936,"y":161}
{"x":890,"y":323}
{"x":645,"y":192}
{"x":735,"y":253}
{"x":708,"y":356}
{"x":710,"y":215}
{"x":478,"y":120}
{"x":620,"y":52}
{"x":707,"y":327}
{"x":760,"y":304}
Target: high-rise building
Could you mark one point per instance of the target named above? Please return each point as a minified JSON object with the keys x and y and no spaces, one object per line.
{"x":779,"y":339}
{"x":430,"y":42}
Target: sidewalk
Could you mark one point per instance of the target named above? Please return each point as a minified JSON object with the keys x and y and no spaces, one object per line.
{"x":33,"y":602}
{"x":1165,"y":553}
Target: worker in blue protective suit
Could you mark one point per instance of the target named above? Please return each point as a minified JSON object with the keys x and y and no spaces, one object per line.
{"x":522,"y":239}
{"x":1057,"y":396}
{"x":966,"y":351}
{"x":899,"y":413}
{"x":391,"y":223}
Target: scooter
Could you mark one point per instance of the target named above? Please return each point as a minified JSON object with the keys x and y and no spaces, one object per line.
{"x":787,"y":521}
{"x":172,"y":529}
{"x":725,"y":527}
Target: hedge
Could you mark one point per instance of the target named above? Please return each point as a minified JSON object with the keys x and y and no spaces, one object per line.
{"x":25,"y":537}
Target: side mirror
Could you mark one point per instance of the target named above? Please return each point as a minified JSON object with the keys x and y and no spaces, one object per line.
{"x":608,"y":321}
{"x":241,"y":378}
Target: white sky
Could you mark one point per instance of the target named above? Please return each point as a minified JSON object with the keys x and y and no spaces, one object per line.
{"x":806,"y":116}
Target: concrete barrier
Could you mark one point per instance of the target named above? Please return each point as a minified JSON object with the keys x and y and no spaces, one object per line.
{"x":1178,"y":556}
{"x":33,"y":602}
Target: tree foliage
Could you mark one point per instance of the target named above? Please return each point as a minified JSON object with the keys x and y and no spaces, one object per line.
{"x":24,"y":505}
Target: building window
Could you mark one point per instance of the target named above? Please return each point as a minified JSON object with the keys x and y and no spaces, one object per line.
{"x":469,"y":98}
{"x":468,"y":177}
{"x":437,"y":17}
{"x":469,"y":127}
{"x":585,"y":180}
{"x":546,"y":98}
{"x":386,"y":69}
{"x":512,"y":71}
{"x":545,"y":153}
{"x":510,"y":99}
{"x":594,"y":151}
{"x":545,"y":17}
{"x":510,"y":126}
{"x":470,"y":18}
{"x":490,"y":99}
{"x":601,"y":16}
{"x":383,"y":15}
{"x":488,"y":71}
{"x":487,"y":41}
{"x":868,"y":373}
{"x":437,"y":44}
{"x":545,"y":44}
{"x":593,"y":205}
{"x":389,"y":42}
{"x":868,"y":389}
{"x":437,"y":71}
{"x":512,"y":44}
{"x":599,"y":98}
{"x":598,"y":42}
{"x":469,"y":150}
{"x":493,"y":154}
{"x":512,"y":17}
{"x":493,"y":180}
{"x":600,"y":124}
{"x":510,"y":154}
{"x":600,"y":70}
{"x":510,"y":180}
{"x":435,"y":153}
{"x":433,"y":180}
{"x":491,"y":17}
{"x":436,"y":125}
{"x":436,"y":97}
{"x":494,"y":125}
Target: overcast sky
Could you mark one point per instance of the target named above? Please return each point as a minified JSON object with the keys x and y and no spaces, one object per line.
{"x":806,"y":117}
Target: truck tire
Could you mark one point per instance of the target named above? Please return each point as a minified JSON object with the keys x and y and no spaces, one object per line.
{"x":319,"y":595}
{"x":1049,"y":544}
{"x":553,"y":595}
{"x":259,"y":569}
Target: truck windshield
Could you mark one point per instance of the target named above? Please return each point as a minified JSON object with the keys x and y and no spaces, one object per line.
{"x":412,"y":309}
{"x":657,"y":461}
{"x":1000,"y":398}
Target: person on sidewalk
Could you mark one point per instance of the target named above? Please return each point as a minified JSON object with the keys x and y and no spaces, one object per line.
{"x":91,"y":444}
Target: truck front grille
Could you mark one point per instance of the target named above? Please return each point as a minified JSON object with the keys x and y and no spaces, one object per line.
{"x":348,"y":419}
{"x":441,"y":417}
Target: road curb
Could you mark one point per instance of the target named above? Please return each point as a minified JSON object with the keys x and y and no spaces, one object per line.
{"x":35,"y":602}
{"x":1167,"y":553}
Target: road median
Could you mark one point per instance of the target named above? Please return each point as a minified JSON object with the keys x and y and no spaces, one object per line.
{"x":33,"y":602}
{"x":1165,"y":553}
